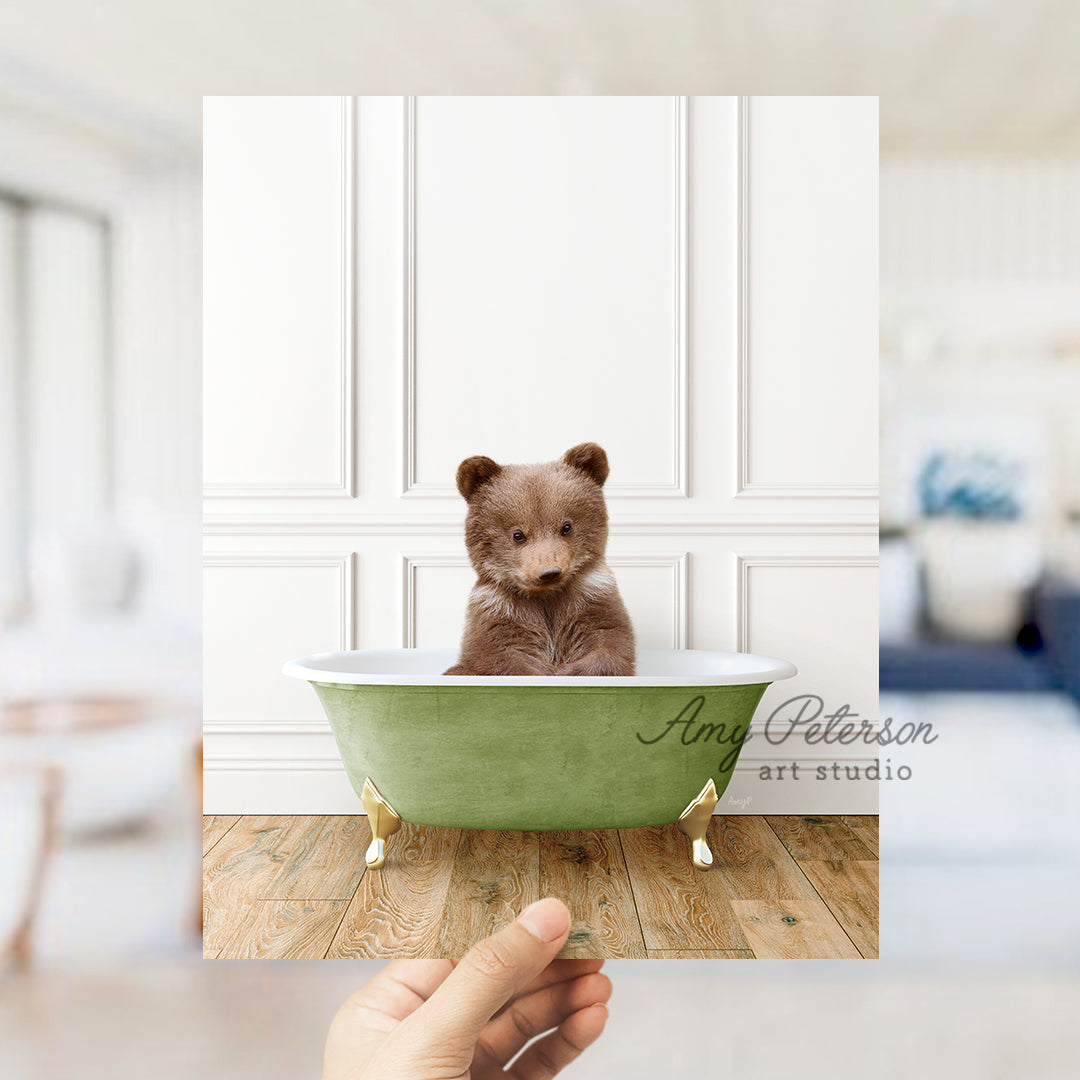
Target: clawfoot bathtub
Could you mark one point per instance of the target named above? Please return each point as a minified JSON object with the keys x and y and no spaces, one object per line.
{"x":547,"y":752}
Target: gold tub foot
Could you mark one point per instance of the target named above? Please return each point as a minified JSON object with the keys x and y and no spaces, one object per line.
{"x":694,"y":821}
{"x":383,"y":820}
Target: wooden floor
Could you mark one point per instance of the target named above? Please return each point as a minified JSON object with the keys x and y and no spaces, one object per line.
{"x":780,"y":887}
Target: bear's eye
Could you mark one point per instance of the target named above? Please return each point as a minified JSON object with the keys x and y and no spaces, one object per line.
{"x":566,"y":529}
{"x":519,"y":537}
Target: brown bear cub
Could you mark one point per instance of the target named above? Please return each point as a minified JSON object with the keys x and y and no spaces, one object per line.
{"x":545,"y":602}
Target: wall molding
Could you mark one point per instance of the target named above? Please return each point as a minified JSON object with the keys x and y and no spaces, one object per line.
{"x":753,"y":489}
{"x":238,"y":727}
{"x":411,"y":487}
{"x":410,"y":564}
{"x":272,"y":764}
{"x":344,"y":562}
{"x":744,"y":563}
{"x":344,"y":486}
{"x":677,"y":563}
{"x":447,"y":525}
{"x":745,"y":487}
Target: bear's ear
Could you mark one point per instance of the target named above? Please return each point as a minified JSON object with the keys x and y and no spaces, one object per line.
{"x":590,"y":459}
{"x":473,"y":472}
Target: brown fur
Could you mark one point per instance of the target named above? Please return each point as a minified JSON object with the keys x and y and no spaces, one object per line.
{"x":517,"y":624}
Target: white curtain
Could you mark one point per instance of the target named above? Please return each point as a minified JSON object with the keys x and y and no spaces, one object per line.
{"x":56,"y":426}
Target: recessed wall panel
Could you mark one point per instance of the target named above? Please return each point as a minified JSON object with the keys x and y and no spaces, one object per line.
{"x":436,"y":592}
{"x":276,"y":271}
{"x":821,"y":613}
{"x":260,"y":611}
{"x":809,"y":378}
{"x":653,"y":589}
{"x":546,"y":249}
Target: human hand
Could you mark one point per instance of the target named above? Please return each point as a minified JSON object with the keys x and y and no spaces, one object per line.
{"x":466,"y":1019}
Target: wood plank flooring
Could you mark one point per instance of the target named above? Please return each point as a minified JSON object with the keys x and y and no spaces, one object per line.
{"x":780,"y":888}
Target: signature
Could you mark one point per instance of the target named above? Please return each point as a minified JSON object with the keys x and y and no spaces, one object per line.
{"x":694,"y":731}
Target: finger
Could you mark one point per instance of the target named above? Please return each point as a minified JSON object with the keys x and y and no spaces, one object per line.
{"x":397,"y":991}
{"x":541,"y":1011}
{"x":548,"y":1056}
{"x":558,"y":971}
{"x":369,"y":1015}
{"x":418,"y":977}
{"x":490,"y":974}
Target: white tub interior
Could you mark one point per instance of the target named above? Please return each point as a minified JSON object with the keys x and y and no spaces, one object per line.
{"x":424,"y":667}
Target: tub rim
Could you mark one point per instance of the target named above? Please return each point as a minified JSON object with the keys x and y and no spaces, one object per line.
{"x":317,"y":667}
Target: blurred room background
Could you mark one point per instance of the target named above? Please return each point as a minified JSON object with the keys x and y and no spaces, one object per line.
{"x":99,"y":530}
{"x":99,"y":480}
{"x":980,"y":548}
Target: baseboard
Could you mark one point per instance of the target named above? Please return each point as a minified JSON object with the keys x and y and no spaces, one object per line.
{"x":253,"y":787}
{"x":261,"y":768}
{"x":749,"y":793}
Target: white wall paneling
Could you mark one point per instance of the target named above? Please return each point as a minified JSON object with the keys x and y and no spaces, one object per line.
{"x":570,"y":262}
{"x":820,"y":609}
{"x":278,"y":314}
{"x":218,"y":525}
{"x":527,"y":274}
{"x":745,"y":563}
{"x":807,"y":382}
{"x":443,"y":616}
{"x":261,"y":608}
{"x":655,"y":588}
{"x":274,"y":768}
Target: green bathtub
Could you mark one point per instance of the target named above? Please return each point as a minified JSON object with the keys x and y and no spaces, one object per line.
{"x":508,"y":752}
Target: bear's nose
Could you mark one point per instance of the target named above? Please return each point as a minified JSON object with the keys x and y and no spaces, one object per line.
{"x":549,"y":574}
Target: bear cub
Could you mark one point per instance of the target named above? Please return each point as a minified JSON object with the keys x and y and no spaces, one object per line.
{"x":545,"y":602}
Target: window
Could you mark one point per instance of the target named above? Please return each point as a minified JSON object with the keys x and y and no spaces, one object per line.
{"x":56,"y":474}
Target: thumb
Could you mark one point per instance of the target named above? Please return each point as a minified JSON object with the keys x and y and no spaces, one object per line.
{"x":491,"y":973}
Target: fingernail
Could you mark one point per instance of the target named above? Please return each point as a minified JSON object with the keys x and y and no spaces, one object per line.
{"x":547,"y":919}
